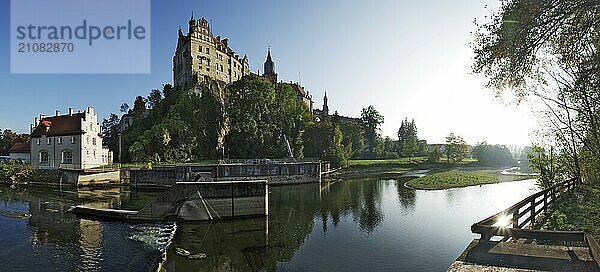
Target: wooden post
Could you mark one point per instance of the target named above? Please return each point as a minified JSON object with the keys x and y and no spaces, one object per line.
{"x":545,"y":201}
{"x":232,"y":202}
{"x":532,"y":213}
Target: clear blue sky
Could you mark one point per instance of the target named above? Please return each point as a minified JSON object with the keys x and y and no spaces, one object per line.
{"x":407,"y":58}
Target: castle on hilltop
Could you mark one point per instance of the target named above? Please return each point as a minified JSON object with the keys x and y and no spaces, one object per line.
{"x":199,"y":54}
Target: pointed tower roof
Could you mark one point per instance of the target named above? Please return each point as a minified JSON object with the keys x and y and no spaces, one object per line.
{"x":269,"y":59}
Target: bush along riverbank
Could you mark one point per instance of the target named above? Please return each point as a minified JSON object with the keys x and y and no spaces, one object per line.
{"x":12,"y":172}
{"x":576,"y":211}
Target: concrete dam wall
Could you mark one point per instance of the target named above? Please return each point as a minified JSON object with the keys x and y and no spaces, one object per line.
{"x":215,"y":200}
{"x":275,"y":174}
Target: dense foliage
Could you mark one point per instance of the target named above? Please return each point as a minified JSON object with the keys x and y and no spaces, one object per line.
{"x":250,"y":118}
{"x":456,"y":148}
{"x":547,"y":51}
{"x":490,"y":155}
{"x":408,"y":142}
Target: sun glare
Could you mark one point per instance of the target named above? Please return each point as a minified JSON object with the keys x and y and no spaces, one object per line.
{"x":502,"y":221}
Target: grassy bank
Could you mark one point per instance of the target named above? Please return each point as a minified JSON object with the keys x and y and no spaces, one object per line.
{"x":454,"y":179}
{"x":577,"y":211}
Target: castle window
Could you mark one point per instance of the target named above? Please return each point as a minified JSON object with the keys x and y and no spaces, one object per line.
{"x":94,"y":141}
{"x":43,"y":156}
{"x":38,"y":141}
{"x":59,"y":140}
{"x":200,"y":48}
{"x":73,"y":139}
{"x":207,"y":50}
{"x":48,"y":140}
{"x":67,"y":157}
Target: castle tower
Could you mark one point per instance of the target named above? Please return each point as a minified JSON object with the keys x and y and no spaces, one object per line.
{"x":325,"y":106}
{"x":200,"y":55}
{"x":192,"y":24}
{"x":269,"y":68}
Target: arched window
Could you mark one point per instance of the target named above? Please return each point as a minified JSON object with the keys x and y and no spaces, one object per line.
{"x":43,"y":156}
{"x":67,"y":157}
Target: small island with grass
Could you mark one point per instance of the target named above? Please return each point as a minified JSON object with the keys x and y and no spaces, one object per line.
{"x":460,"y":178}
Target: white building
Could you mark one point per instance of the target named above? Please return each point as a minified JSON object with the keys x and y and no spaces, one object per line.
{"x":71,"y":141}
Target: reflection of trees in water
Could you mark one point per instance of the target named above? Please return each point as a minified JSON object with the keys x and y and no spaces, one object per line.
{"x":359,"y":199}
{"x":406,"y":196}
{"x":243,"y":245}
{"x":369,"y":210}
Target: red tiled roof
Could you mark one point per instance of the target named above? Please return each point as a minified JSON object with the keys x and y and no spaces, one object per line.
{"x":299,"y":89}
{"x":22,"y":147}
{"x":59,"y":126}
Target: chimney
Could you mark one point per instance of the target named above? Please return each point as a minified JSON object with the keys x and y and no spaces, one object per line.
{"x":31,"y":128}
{"x":57,"y":113}
{"x":36,"y":121}
{"x":70,"y":111}
{"x":88,"y":109}
{"x":41,"y":117}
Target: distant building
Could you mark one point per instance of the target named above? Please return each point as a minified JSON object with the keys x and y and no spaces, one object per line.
{"x":321,"y":114}
{"x":71,"y":141}
{"x":20,"y":151}
{"x":199,"y":54}
{"x":302,"y":96}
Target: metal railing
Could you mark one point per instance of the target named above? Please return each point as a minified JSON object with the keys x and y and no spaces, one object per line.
{"x":517,"y":220}
{"x":267,"y":161}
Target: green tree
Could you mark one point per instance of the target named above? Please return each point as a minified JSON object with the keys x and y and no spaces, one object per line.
{"x":456,"y":148}
{"x":487,"y":154}
{"x":7,"y":139}
{"x":110,"y":133}
{"x":546,"y":165}
{"x":423,"y":148}
{"x":433,"y":156}
{"x":324,"y":140}
{"x":408,"y":142}
{"x":139,"y":107}
{"x":548,"y":50}
{"x":154,"y":98}
{"x":371,"y":121}
{"x":260,"y":114}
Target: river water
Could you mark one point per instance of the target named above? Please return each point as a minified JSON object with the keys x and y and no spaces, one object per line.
{"x":348,"y":225}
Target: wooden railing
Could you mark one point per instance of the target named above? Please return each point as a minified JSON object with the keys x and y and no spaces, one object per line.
{"x":516,"y":221}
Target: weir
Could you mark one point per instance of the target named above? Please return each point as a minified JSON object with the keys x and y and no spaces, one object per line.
{"x":195,"y":201}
